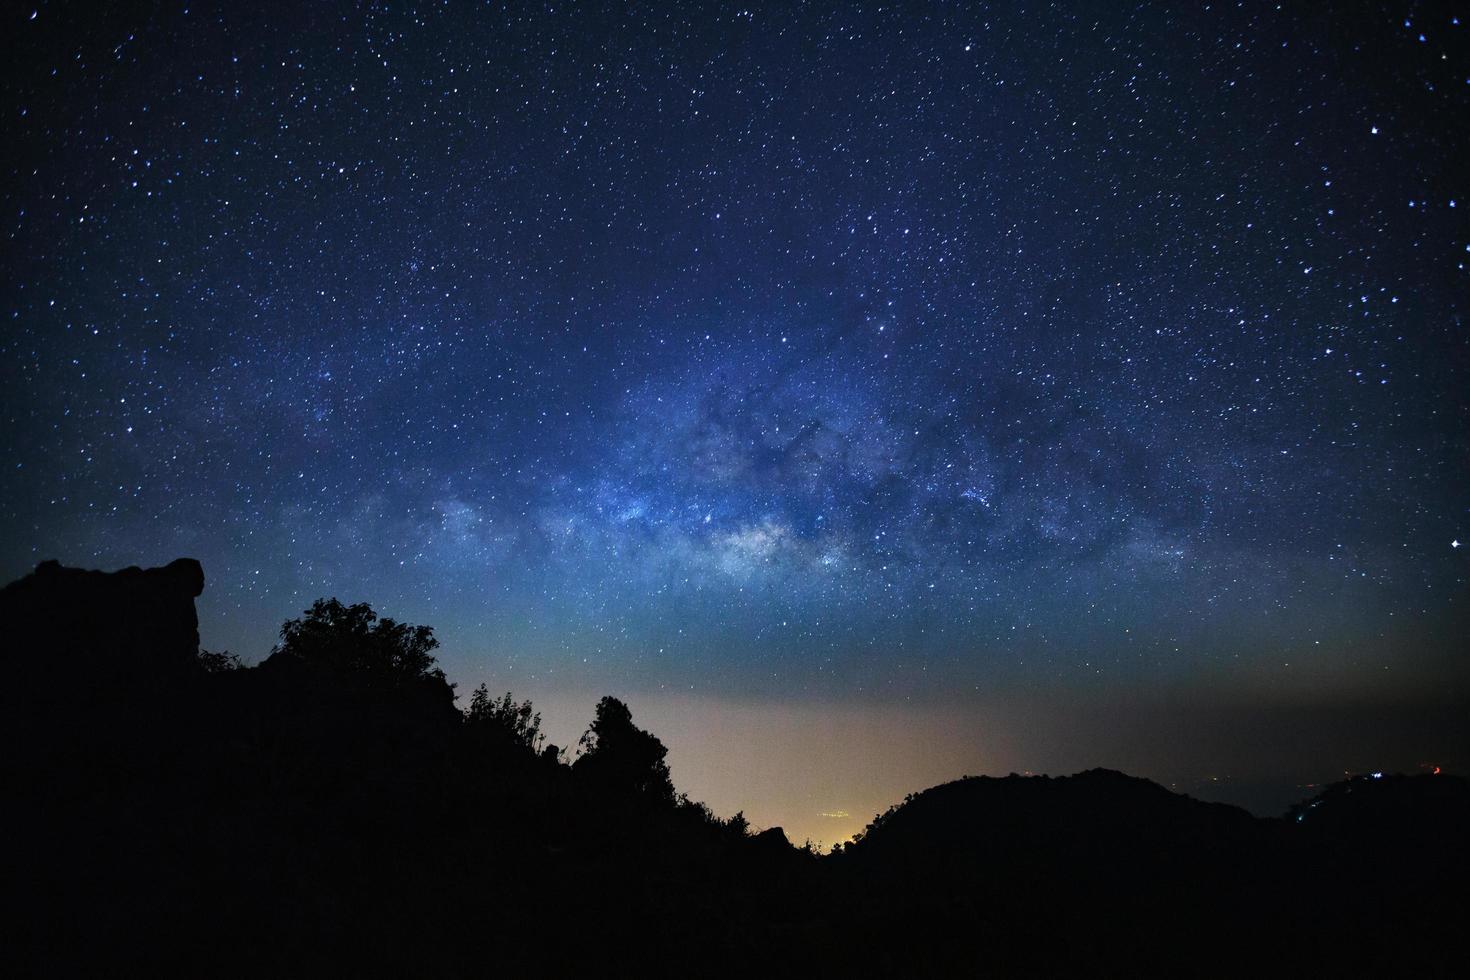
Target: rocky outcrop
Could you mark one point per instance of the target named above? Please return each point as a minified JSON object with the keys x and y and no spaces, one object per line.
{"x":64,"y":626}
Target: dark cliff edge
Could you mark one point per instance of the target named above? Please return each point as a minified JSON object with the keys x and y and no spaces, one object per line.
{"x":333,"y":812}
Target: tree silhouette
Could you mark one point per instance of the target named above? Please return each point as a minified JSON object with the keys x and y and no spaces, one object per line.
{"x":622,"y":757}
{"x":354,"y":639}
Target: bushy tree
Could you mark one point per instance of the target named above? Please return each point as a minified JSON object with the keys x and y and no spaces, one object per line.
{"x":354,"y":639}
{"x":622,"y":757}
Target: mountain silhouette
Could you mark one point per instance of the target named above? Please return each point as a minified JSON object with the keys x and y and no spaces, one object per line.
{"x":333,"y":812}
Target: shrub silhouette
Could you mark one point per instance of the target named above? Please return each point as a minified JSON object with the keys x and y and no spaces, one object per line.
{"x":504,"y":722}
{"x":219,"y":661}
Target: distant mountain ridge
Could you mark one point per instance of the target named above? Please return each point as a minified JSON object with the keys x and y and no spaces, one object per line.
{"x":1054,"y":820}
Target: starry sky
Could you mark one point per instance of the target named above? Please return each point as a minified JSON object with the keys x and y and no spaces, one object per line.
{"x":868,"y":395}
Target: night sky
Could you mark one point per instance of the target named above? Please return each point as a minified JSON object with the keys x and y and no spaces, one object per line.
{"x":869,"y":396}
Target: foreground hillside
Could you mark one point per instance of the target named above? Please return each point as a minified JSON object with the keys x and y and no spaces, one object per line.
{"x":332,"y":812}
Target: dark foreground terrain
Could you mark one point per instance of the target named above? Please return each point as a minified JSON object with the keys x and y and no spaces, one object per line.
{"x":332,"y":812}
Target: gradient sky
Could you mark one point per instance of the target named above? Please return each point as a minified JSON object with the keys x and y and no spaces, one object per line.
{"x":867,"y":396}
